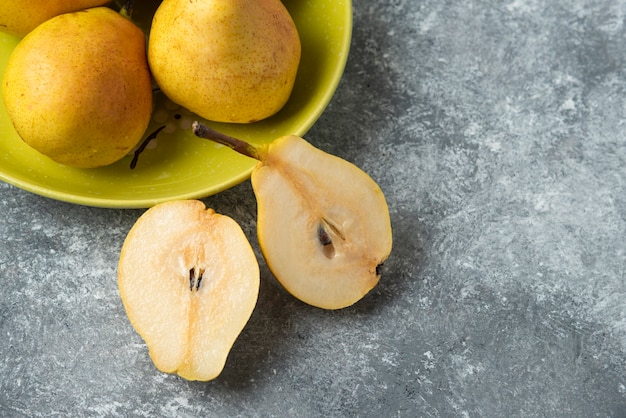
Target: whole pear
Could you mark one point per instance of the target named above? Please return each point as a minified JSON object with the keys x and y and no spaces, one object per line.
{"x":18,"y":17}
{"x":78,"y":88}
{"x":225,"y":60}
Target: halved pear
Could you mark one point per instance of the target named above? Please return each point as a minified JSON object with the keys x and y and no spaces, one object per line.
{"x":323,"y":223}
{"x":189,"y":281}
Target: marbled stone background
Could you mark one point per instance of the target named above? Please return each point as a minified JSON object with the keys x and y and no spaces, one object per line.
{"x":497,"y":131}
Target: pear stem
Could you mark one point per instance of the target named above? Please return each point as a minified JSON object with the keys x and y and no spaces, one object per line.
{"x":242,"y":147}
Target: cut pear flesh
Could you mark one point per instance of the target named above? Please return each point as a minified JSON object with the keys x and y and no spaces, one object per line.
{"x":323,"y":224}
{"x":189,"y":281}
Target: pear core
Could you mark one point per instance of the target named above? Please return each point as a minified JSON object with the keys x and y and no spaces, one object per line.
{"x":189,"y":281}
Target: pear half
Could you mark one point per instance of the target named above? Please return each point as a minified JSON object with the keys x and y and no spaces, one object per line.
{"x":189,"y":281}
{"x":323,"y":224}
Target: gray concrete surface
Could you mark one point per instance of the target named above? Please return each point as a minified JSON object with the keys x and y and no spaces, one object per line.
{"x":497,"y":130}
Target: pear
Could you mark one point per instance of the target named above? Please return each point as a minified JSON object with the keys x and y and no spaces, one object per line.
{"x":78,"y":88}
{"x":323,"y":224}
{"x":19,"y":17}
{"x":225,"y":60}
{"x":189,"y":281}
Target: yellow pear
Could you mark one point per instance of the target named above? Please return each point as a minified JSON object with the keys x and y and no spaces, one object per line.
{"x":19,"y":17}
{"x":323,"y":223}
{"x":225,"y":60}
{"x":78,"y":87}
{"x":189,"y":281}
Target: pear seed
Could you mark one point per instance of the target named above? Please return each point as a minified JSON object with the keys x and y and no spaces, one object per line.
{"x":192,"y":278}
{"x":323,"y":236}
{"x":199,"y":281}
{"x":193,"y":282}
{"x":327,"y":243}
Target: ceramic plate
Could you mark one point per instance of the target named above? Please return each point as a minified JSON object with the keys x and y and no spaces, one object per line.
{"x":178,"y":165}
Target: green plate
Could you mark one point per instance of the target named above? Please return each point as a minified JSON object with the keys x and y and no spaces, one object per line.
{"x":178,"y":165}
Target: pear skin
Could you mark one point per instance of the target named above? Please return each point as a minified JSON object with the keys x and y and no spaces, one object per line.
{"x":78,"y":87}
{"x":323,"y":223}
{"x":189,"y":282}
{"x":242,"y":56}
{"x":19,"y":17}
